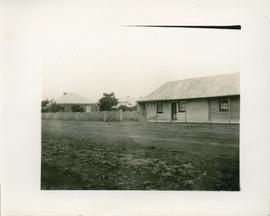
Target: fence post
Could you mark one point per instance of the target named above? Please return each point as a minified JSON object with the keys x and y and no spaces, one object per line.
{"x":120,"y":115}
{"x":104,"y":115}
{"x":229,"y":113}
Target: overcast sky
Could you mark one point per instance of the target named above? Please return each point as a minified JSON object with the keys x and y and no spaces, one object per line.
{"x":84,"y":48}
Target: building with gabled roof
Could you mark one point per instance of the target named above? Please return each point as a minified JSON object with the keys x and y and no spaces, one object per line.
{"x":203,"y":99}
{"x":69,"y":100}
{"x":127,"y":101}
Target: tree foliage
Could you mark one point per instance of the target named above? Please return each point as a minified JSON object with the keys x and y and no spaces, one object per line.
{"x":45,"y":105}
{"x":108,"y":102}
{"x":126,"y":108}
{"x":45,"y":102}
{"x":53,"y":107}
{"x":77,"y":108}
{"x":50,"y":106}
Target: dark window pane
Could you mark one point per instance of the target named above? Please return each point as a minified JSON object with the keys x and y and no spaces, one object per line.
{"x":181,"y":106}
{"x":223,"y":104}
{"x":159,"y":107}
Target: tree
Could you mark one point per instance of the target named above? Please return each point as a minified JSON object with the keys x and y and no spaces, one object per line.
{"x":45,"y":105}
{"x":108,"y":102}
{"x":53,"y":107}
{"x":45,"y":102}
{"x":50,"y":106}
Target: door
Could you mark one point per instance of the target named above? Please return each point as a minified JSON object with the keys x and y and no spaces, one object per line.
{"x":174,"y":111}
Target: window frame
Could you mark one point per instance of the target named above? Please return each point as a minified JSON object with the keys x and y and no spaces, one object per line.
{"x":181,"y":105}
{"x":160,"y":109}
{"x":222,"y":103}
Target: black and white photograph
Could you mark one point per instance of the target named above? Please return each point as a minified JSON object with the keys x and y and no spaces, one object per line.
{"x":182,"y":136}
{"x":124,"y":107}
{"x":141,"y":108}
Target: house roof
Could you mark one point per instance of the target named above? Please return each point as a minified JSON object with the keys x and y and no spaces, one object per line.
{"x":128,"y":100}
{"x":71,"y":98}
{"x":202,"y":87}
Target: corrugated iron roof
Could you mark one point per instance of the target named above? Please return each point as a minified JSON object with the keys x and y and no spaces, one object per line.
{"x":71,"y":98}
{"x":128,"y":100}
{"x":202,"y":87}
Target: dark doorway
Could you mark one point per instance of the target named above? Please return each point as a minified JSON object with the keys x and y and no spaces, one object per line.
{"x":174,"y":111}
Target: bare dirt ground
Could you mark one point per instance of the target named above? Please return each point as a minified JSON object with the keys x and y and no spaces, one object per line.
{"x":84,"y":155}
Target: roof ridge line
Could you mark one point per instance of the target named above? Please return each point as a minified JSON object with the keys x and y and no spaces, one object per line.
{"x":200,"y":77}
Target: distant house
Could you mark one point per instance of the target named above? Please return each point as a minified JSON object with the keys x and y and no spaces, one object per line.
{"x":127,"y":101}
{"x":204,"y":99}
{"x":71,"y":100}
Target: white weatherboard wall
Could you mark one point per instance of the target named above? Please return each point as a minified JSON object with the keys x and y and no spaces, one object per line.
{"x":153,"y":116}
{"x":235,"y":109}
{"x":197,"y":110}
{"x":223,"y":117}
{"x":165,"y":116}
{"x":216,"y":115}
{"x":151,"y":111}
{"x":181,"y":116}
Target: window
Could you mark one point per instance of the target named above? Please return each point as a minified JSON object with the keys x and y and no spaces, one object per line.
{"x":223,"y":104}
{"x":181,"y":106}
{"x":159,"y":107}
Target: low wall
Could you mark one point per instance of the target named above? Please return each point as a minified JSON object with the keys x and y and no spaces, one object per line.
{"x":95,"y":116}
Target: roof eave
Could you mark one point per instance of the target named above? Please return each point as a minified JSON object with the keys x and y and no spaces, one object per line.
{"x":171,"y":99}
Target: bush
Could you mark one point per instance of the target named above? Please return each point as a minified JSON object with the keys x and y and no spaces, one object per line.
{"x":77,"y":108}
{"x":126,"y":108}
{"x":53,"y":107}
